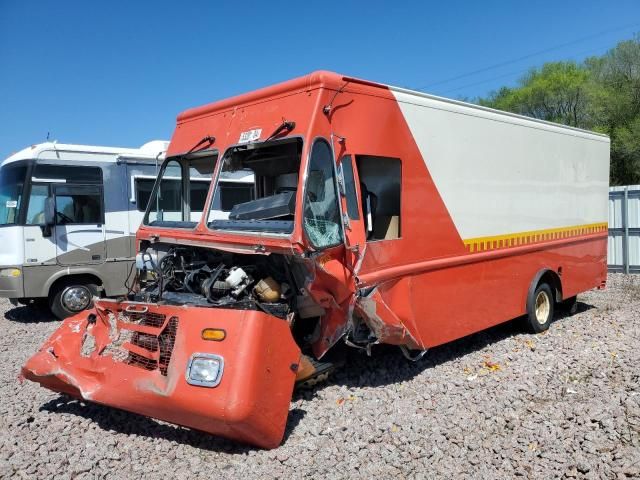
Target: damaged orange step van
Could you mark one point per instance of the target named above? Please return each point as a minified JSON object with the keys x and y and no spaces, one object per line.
{"x":376,"y":215}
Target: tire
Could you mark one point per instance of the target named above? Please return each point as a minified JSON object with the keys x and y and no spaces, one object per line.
{"x":570,"y":305}
{"x":540,"y":308}
{"x":71,"y":297}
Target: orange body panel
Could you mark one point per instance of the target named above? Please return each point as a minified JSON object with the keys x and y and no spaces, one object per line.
{"x":250,"y":404}
{"x":420,"y":290}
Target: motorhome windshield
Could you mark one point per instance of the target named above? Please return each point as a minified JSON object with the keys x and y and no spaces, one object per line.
{"x":11,"y":186}
{"x":180,"y":192}
{"x":256,"y":188}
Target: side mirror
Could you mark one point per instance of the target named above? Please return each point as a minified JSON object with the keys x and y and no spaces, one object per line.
{"x":49,"y":212}
{"x":49,"y":216}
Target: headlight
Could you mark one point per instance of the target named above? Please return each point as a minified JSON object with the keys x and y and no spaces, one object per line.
{"x":10,"y":272}
{"x":204,"y":369}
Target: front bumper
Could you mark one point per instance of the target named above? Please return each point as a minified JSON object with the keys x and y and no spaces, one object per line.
{"x":12,"y":287}
{"x":134,"y":357}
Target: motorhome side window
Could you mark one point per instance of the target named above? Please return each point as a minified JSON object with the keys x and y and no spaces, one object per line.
{"x":180,"y":192}
{"x":77,"y":193}
{"x":199,"y":189}
{"x":321,"y":209}
{"x":256,"y":188}
{"x":76,"y":204}
{"x":380,"y":181}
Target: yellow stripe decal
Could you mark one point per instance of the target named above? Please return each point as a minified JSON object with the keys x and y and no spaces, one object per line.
{"x":481,"y":244}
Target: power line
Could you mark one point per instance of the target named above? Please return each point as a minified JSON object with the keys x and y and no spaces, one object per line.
{"x":533,"y":54}
{"x":520,"y":71}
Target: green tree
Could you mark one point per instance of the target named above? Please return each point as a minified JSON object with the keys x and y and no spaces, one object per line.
{"x":601,"y":94}
{"x":616,"y":106}
{"x":556,"y":92}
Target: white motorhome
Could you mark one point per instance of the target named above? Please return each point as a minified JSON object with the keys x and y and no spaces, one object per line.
{"x":95,"y":198}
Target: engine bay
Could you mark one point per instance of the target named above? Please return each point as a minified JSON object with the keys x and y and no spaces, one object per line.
{"x":184,"y":275}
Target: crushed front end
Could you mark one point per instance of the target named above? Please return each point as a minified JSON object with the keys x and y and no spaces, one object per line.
{"x":226,"y":372}
{"x":209,"y":339}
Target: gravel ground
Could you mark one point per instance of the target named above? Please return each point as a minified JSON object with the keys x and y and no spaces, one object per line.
{"x":497,"y":404}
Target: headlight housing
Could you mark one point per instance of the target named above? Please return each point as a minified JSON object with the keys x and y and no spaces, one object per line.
{"x":204,"y":369}
{"x":10,"y":272}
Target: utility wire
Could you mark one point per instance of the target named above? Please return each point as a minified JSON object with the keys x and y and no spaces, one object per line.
{"x":533,"y":54}
{"x":520,"y":71}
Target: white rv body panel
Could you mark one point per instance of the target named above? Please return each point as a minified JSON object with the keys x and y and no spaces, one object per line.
{"x":11,"y":246}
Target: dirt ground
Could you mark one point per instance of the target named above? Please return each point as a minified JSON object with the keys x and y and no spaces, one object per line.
{"x":498,"y":404}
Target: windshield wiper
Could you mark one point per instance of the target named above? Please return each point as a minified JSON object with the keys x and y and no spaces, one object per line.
{"x":208,"y":140}
{"x":285,"y":125}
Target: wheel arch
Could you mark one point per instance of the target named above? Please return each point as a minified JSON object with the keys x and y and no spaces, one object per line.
{"x":64,"y":277}
{"x":550,"y":277}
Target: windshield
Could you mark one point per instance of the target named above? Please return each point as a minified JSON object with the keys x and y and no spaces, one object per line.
{"x":256,"y":188}
{"x":180,"y":192}
{"x":11,"y":186}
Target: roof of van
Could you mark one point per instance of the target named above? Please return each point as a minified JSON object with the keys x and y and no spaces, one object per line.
{"x":150,"y":150}
{"x":338,"y":82}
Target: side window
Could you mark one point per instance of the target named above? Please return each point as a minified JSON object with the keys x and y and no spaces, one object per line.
{"x":322,"y":222}
{"x":144,"y":186}
{"x":167,"y":203}
{"x":75,"y":175}
{"x":350,"y":188}
{"x":380,"y":185}
{"x":199,"y":190}
{"x":77,"y":193}
{"x":35,"y":212}
{"x":78,"y":205}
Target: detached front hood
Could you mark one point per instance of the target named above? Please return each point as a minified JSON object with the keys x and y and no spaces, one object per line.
{"x":138,"y":357}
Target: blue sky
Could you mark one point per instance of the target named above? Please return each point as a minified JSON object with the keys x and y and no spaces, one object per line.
{"x":118,"y":72}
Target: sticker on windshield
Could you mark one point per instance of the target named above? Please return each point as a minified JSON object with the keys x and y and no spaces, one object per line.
{"x":250,"y":135}
{"x":11,"y":204}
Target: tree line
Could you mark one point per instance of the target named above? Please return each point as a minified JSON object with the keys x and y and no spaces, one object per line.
{"x":601,"y":94}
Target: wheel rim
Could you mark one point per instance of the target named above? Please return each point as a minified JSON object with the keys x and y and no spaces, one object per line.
{"x":76,"y":298}
{"x":543,"y":306}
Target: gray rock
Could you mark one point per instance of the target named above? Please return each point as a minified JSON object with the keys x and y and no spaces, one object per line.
{"x":563,"y":404}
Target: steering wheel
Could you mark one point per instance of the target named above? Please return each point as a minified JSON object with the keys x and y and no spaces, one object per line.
{"x":65,"y":218}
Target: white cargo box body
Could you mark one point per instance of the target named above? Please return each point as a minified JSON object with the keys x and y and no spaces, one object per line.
{"x":501,"y":174}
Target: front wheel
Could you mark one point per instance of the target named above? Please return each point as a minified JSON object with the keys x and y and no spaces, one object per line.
{"x":540,"y":306}
{"x":71,"y":297}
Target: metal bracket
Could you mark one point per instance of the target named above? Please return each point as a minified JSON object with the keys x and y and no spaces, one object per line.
{"x":415,"y":357}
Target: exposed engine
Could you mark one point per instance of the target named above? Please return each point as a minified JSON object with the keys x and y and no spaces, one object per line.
{"x":188,"y":275}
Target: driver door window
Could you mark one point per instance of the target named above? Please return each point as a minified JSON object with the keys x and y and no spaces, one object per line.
{"x":78,"y":205}
{"x":322,"y":222}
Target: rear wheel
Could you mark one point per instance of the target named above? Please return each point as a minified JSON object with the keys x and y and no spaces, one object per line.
{"x":540,"y":306}
{"x":71,"y":297}
{"x":570,"y":305}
